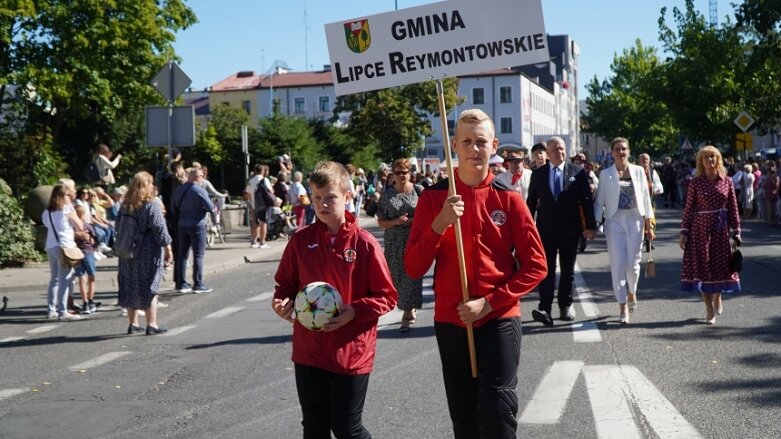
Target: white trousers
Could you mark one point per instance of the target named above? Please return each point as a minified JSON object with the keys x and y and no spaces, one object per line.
{"x":624,"y":233}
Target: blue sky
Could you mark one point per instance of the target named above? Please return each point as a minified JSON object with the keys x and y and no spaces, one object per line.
{"x":234,"y":35}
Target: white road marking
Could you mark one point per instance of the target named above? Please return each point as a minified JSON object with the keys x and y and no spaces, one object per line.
{"x":586,"y":332}
{"x":260,"y":297}
{"x":666,"y":421}
{"x":99,"y":361}
{"x":43,"y":328}
{"x":11,"y":339}
{"x":612,"y":415}
{"x":179,"y":330}
{"x":7,"y":393}
{"x":550,"y":397}
{"x":224,"y":312}
{"x":584,"y":295}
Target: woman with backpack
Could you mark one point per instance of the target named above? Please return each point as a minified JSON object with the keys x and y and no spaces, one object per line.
{"x":140,"y":274}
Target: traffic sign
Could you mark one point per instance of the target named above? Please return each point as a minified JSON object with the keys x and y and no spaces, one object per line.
{"x":686,"y":145}
{"x":744,"y":142}
{"x":744,"y":121}
{"x":182,"y":122}
{"x":171,"y":81}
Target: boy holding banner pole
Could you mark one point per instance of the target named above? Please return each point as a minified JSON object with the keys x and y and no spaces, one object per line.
{"x":496,"y":222}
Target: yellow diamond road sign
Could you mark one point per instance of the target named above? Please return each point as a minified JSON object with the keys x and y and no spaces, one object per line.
{"x":744,"y":121}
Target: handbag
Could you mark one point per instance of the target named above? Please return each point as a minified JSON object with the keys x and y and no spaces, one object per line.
{"x":71,"y":256}
{"x":650,"y":265}
{"x":736,"y":260}
{"x":304,"y":200}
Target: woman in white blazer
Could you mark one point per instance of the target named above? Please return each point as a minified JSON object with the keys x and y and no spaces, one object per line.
{"x":624,"y":202}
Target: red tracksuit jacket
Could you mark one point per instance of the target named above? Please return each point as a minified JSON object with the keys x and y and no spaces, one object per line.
{"x":497,"y":231}
{"x":356,"y":267}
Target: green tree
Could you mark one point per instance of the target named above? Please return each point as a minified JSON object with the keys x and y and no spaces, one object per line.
{"x":280,"y":134}
{"x":760,"y":22}
{"x":16,"y":241}
{"x":627,"y":103}
{"x":220,"y":147}
{"x":396,"y":119}
{"x":341,"y":146}
{"x":702,"y":74}
{"x":84,"y":68}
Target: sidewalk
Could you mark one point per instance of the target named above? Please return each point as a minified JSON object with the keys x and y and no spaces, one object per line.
{"x":34,"y":278}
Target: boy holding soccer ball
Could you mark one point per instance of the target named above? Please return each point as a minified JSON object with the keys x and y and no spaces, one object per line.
{"x":332,"y":365}
{"x":504,"y":261}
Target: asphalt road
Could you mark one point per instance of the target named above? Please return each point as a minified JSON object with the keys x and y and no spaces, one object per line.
{"x":225,"y":370}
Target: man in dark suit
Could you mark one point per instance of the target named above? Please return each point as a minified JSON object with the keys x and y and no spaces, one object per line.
{"x":560,"y":196}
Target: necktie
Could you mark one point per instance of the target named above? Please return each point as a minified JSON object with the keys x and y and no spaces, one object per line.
{"x":556,"y":182}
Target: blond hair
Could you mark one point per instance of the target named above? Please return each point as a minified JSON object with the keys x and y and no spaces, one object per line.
{"x":474,"y":116}
{"x":139,"y":192}
{"x":619,"y":140}
{"x":701,"y":159}
{"x":330,"y":173}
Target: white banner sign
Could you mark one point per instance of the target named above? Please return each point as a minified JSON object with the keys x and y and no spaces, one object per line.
{"x":448,"y":38}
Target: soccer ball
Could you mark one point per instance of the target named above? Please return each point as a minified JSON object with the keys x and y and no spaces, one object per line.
{"x":316,"y":303}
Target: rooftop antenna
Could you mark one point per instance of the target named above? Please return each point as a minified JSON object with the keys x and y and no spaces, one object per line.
{"x":306,"y":41}
{"x":713,"y":9}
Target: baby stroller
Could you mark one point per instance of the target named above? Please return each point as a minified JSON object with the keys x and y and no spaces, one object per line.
{"x":280,"y":224}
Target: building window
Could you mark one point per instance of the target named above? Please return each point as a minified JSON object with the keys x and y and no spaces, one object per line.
{"x":505,"y":95}
{"x":506,"y":125}
{"x":325,"y":104}
{"x":247,"y":107}
{"x":300,"y":106}
{"x":478,"y":96}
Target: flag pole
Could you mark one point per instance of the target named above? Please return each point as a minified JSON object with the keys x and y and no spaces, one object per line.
{"x":470,"y":336}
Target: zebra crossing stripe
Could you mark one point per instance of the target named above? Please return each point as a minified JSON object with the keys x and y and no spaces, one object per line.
{"x":43,"y":328}
{"x":7,"y":393}
{"x":586,"y":332}
{"x":260,"y":297}
{"x":224,"y":312}
{"x":550,"y":397}
{"x":659,"y":412}
{"x":99,"y":361}
{"x":176,"y":331}
{"x":612,"y":414}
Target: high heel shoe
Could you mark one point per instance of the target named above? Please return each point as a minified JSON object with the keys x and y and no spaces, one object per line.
{"x":632,"y":304}
{"x":719,"y":309}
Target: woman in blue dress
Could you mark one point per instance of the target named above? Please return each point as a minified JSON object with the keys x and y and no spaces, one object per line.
{"x":139,"y":278}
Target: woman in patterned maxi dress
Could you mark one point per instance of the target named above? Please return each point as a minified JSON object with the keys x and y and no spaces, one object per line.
{"x":711,"y":211}
{"x":394,"y":214}
{"x":139,"y":278}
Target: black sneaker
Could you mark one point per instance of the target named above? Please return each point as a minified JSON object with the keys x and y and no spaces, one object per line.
{"x":202,"y":289}
{"x":85,"y":309}
{"x":542,"y":317}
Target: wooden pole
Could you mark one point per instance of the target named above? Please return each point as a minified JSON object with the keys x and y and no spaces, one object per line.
{"x":470,"y":335}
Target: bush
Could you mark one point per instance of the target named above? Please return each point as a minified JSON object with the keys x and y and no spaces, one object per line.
{"x":16,"y":241}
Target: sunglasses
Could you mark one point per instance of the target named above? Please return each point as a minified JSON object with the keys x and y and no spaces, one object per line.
{"x":401,"y":172}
